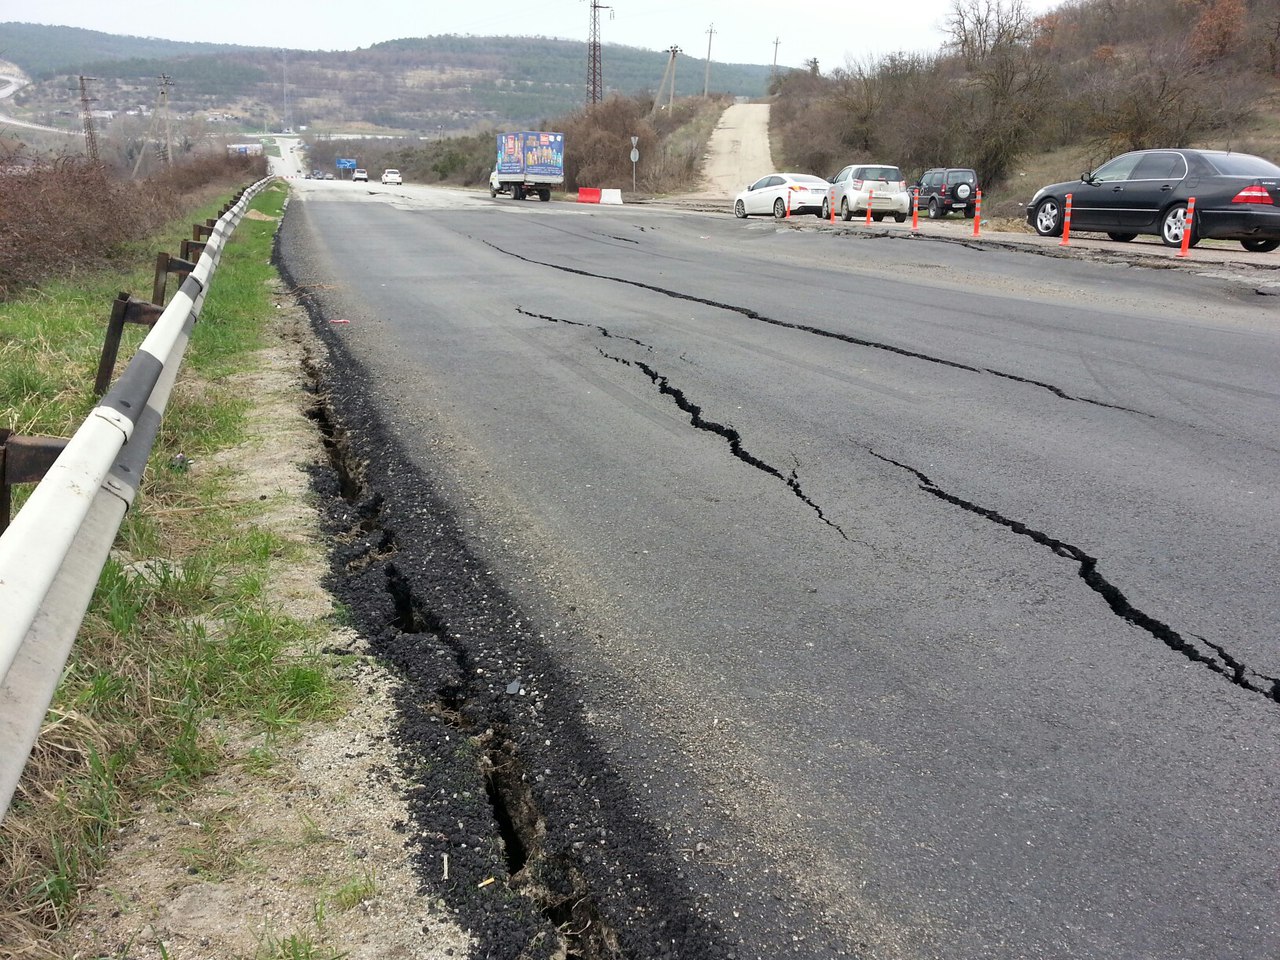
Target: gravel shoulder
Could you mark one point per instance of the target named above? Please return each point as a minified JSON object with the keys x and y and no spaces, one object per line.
{"x":299,"y":844}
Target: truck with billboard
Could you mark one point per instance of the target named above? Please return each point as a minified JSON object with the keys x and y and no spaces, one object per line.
{"x":529,"y":163}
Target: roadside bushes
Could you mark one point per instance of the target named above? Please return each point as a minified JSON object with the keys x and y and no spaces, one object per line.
{"x":63,"y":217}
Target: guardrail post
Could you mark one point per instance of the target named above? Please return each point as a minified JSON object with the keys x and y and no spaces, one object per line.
{"x":124,"y":309}
{"x":23,"y":460}
{"x":165,"y":265}
{"x":191,"y":250}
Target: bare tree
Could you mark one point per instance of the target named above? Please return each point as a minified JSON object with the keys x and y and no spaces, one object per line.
{"x":977,"y":28}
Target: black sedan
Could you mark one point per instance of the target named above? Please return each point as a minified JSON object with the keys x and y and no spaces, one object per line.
{"x":1237,"y":198}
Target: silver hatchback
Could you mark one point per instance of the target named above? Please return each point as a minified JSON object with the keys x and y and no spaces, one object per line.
{"x":879,"y":186}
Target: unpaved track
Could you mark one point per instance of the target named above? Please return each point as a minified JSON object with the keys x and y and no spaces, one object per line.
{"x":738,"y":152}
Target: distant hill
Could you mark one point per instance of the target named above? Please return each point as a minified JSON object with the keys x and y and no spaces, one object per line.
{"x":423,"y":85}
{"x":42,"y":51}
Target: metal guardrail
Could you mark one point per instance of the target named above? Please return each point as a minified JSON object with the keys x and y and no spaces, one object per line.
{"x":54,"y":550}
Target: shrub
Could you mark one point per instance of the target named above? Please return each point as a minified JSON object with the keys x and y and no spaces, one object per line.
{"x":63,"y":217}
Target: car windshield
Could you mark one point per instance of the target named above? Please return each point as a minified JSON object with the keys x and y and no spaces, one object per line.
{"x":881,"y":173}
{"x":1243,"y":165}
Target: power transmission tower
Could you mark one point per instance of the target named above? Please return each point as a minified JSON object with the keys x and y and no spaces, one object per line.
{"x":86,"y":115}
{"x":706,"y":80}
{"x":595,"y":77}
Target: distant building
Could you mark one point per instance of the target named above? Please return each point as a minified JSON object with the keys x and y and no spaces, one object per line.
{"x":245,"y":149}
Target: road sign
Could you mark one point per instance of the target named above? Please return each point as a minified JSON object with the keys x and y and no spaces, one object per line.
{"x":635,"y":155}
{"x":345,"y":164}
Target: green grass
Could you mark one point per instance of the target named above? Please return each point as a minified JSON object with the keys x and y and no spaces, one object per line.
{"x":180,"y":637}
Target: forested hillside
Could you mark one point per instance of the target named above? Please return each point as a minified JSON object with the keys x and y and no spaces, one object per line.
{"x":428,"y":85}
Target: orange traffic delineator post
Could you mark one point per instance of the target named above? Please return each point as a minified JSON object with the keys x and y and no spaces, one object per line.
{"x":871,"y":198}
{"x":788,"y":204}
{"x":1066,"y":224}
{"x":831,"y":202}
{"x":977,"y":214}
{"x":1188,"y":220}
{"x":915,"y":208}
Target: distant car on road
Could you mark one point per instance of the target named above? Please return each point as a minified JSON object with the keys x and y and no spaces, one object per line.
{"x":1237,"y":198}
{"x":879,"y":184}
{"x":944,"y":189}
{"x":771,"y":194}
{"x":360,"y":176}
{"x":328,"y":176}
{"x":392,"y":177}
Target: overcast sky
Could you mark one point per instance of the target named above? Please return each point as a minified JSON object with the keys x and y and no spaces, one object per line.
{"x":745,"y":29}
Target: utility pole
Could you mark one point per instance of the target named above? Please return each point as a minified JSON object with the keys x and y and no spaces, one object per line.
{"x":667,"y":74}
{"x":776,"y":41}
{"x":595,"y":75}
{"x":288,"y":121}
{"x":86,"y":115}
{"x":675,"y":52}
{"x":165,"y":83}
{"x":706,"y":79}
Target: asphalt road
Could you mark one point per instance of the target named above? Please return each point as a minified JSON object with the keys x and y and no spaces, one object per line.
{"x":806,"y":594}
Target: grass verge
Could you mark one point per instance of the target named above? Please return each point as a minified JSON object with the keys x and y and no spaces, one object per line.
{"x":180,"y":640}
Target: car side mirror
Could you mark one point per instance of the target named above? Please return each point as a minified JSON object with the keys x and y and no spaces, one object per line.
{"x":1087,"y":177}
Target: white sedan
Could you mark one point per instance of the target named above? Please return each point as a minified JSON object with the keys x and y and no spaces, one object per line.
{"x":392,"y":177}
{"x":779,"y":193}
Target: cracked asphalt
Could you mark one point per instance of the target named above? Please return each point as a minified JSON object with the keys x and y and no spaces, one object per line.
{"x":770,"y":592}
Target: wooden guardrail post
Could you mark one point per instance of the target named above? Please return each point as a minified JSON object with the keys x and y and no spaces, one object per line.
{"x":23,"y":460}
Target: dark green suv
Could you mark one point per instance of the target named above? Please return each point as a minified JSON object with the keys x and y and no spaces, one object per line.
{"x":944,"y":189}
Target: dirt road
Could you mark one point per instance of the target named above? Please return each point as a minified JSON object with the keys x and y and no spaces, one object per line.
{"x":738,"y":152}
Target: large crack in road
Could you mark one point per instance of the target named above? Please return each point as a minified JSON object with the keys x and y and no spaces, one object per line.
{"x":696,"y":417}
{"x":751,"y":314}
{"x":519,"y":819}
{"x":1219,"y":661}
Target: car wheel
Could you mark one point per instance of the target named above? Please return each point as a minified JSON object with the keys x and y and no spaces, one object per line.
{"x":969,"y":212}
{"x":779,"y":209}
{"x":936,"y":212}
{"x":1172,"y":225}
{"x":900,"y":217}
{"x":493,"y":191}
{"x":544,"y":195}
{"x":1260,"y":246}
{"x":819,"y":214}
{"x":517,"y":192}
{"x":740,"y":210}
{"x":1048,"y":218}
{"x":845,"y":212}
{"x":877,"y":217}
{"x":826,"y":210}
{"x":1121,"y":237}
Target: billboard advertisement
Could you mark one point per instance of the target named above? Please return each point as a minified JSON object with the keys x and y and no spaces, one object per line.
{"x":531,"y":153}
